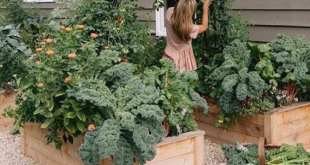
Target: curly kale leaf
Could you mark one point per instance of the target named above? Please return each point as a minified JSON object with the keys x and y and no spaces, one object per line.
{"x":135,"y":93}
{"x":256,"y":81}
{"x":230,"y":82}
{"x":145,"y":143}
{"x":237,"y":155}
{"x":155,"y":128}
{"x":89,"y":150}
{"x":229,"y":104}
{"x":199,"y":100}
{"x":127,"y":120}
{"x":124,"y":154}
{"x":242,"y":91}
{"x":95,"y":92}
{"x":149,"y":111}
{"x":119,"y":74}
{"x":108,"y":137}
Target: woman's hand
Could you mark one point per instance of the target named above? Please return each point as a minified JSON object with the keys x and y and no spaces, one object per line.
{"x":206,"y":4}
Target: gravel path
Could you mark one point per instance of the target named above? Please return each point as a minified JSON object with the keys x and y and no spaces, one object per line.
{"x":10,"y":153}
{"x":213,"y":154}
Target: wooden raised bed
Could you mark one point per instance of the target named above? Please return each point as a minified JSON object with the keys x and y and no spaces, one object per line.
{"x":6,"y":100}
{"x":289,"y":124}
{"x":186,"y":149}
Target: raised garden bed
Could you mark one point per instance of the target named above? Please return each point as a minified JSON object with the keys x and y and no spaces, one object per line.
{"x":186,"y":149}
{"x":289,"y":124}
{"x":6,"y":100}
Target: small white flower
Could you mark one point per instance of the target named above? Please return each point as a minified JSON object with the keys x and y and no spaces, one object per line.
{"x":184,"y":110}
{"x":14,"y":75}
{"x":296,"y":99}
{"x":1,"y":65}
{"x":278,"y":97}
{"x":274,"y":88}
{"x":178,"y":128}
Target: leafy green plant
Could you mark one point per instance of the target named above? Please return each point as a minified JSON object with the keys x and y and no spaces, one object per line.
{"x":117,"y":28}
{"x":242,"y":86}
{"x":224,"y":27}
{"x":177,"y":96}
{"x":13,"y":53}
{"x":14,"y":13}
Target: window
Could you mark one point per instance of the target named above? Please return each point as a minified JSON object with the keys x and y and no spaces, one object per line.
{"x":39,"y":0}
{"x":160,"y":17}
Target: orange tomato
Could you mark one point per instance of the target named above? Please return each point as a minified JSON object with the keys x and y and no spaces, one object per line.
{"x":49,"y":41}
{"x":106,"y":48}
{"x":68,"y":79}
{"x":49,"y":52}
{"x":39,"y":49}
{"x":38,"y":62}
{"x":62,"y":27}
{"x":91,"y":127}
{"x":93,"y":35}
{"x":80,"y":27}
{"x":71,"y":56}
{"x":40,"y":85}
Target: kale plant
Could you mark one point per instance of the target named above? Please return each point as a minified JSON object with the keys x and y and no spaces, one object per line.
{"x":239,"y":154}
{"x":242,"y":86}
{"x":133,"y":120}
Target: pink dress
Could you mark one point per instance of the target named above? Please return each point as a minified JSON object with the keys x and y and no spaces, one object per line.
{"x":180,"y":52}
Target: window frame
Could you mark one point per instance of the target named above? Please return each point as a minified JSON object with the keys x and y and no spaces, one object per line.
{"x":160,"y":22}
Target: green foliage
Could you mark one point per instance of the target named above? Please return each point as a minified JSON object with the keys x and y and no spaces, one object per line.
{"x":288,"y":154}
{"x":239,"y":154}
{"x":224,"y":27}
{"x":117,"y":28}
{"x":13,"y":53}
{"x":128,"y":107}
{"x":292,"y":59}
{"x":241,"y":86}
{"x":14,"y":12}
{"x":177,"y":97}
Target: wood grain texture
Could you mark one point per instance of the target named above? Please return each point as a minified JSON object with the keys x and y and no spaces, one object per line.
{"x":175,"y":150}
{"x":6,"y":100}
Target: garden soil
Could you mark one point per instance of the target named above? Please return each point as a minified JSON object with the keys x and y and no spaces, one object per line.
{"x":10,"y":153}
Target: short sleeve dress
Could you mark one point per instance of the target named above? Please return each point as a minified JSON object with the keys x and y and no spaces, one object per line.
{"x":179,"y":51}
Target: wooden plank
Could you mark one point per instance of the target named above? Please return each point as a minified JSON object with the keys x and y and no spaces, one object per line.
{"x":292,"y":114}
{"x":269,"y":33}
{"x":225,"y":135}
{"x":172,"y":150}
{"x":186,"y":159}
{"x":272,"y":5}
{"x":268,"y":128}
{"x":199,"y":150}
{"x":184,"y":136}
{"x":6,"y":100}
{"x":277,"y":18}
{"x":216,"y":140}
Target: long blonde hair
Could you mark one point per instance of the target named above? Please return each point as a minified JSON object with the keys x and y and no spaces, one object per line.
{"x":181,"y":19}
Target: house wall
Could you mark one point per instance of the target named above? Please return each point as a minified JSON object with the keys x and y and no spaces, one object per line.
{"x":268,"y":17}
